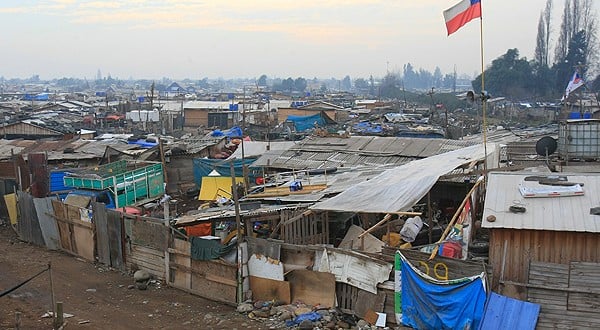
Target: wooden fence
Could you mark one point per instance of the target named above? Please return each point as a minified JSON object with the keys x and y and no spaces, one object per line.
{"x":568,"y":293}
{"x":308,"y":227}
{"x":212,"y":279}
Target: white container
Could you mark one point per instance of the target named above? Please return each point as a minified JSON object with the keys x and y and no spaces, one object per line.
{"x":411,"y":228}
{"x":579,"y":139}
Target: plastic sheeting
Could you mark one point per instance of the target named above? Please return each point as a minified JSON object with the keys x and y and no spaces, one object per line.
{"x":400,"y":188}
{"x":303,"y":123}
{"x":203,"y":167}
{"x":433,"y":304}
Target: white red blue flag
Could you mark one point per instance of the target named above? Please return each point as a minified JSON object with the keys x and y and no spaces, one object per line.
{"x":575,"y":82}
{"x":461,"y":14}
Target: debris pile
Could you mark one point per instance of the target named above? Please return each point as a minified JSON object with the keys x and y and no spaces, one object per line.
{"x":298,"y":315}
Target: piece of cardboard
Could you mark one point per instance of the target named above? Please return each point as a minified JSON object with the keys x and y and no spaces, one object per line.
{"x":312,"y":288}
{"x":371,"y":317}
{"x":268,"y":289}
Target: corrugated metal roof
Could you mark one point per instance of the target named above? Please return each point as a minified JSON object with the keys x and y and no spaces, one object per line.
{"x":228,"y":212}
{"x":568,"y":213}
{"x":315,"y":152}
{"x":506,"y":313}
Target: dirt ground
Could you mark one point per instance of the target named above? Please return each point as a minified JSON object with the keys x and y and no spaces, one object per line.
{"x":98,"y":298}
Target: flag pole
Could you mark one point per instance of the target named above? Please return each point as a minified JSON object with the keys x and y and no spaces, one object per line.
{"x":483,"y":98}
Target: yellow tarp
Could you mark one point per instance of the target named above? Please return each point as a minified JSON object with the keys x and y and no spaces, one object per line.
{"x":214,"y":187}
{"x":11,"y":205}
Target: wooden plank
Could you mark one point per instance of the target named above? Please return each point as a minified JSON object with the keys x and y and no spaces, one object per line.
{"x":268,"y":289}
{"x":180,"y":277}
{"x":148,"y":251}
{"x":151,"y":234}
{"x":206,"y":288}
{"x":64,"y":230}
{"x":102,"y":240}
{"x":222,"y":280}
{"x":313,"y":288}
{"x":584,"y":302}
{"x":115,"y":232}
{"x":366,"y":301}
{"x":84,"y":242}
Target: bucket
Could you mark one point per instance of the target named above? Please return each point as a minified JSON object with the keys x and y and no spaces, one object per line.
{"x":451,"y":249}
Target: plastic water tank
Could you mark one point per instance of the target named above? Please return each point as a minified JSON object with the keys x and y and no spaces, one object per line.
{"x":411,"y":228}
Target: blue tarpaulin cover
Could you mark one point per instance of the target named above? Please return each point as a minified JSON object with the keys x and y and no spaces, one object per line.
{"x":303,"y":123}
{"x":432,"y":304}
{"x":234,"y":132}
{"x":507,"y":313}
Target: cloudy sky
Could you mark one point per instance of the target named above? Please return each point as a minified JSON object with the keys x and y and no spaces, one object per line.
{"x":248,"y":38}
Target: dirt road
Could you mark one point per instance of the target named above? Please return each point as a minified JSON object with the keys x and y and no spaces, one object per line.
{"x":98,"y":298}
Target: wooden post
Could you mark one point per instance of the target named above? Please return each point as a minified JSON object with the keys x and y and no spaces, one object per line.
{"x":238,"y":223}
{"x":59,"y":315}
{"x":17,"y":320}
{"x":52,"y":288}
{"x":429,"y":212}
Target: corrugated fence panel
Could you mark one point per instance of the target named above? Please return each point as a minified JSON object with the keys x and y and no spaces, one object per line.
{"x":43,"y":208}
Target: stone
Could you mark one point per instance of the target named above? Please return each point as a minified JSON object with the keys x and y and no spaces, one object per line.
{"x":302,"y":310}
{"x":305,"y":325}
{"x":262,"y":313}
{"x":362,"y":323}
{"x":343,"y":325}
{"x":245,"y":308}
{"x":141,"y":275}
{"x":331,"y":325}
{"x":141,"y":285}
{"x":285,"y":315}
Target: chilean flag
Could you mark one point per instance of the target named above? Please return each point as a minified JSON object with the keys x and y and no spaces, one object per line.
{"x":574,"y":83}
{"x":461,"y":14}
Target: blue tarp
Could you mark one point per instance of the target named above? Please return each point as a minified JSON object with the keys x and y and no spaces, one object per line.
{"x":507,"y":313}
{"x":143,"y":143}
{"x":303,"y":123}
{"x":203,"y":166}
{"x":367,"y":127}
{"x":234,"y":132}
{"x":427,"y":305}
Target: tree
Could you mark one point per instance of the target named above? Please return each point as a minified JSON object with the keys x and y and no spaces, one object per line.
{"x":346,"y":83}
{"x":287,"y":84}
{"x":300,"y":84}
{"x":541,"y":47}
{"x":262,"y":81}
{"x":547,"y":20}
{"x":508,"y":76}
{"x":390,"y":86}
{"x":578,"y":15}
{"x":437,"y":77}
{"x":575,"y":59}
{"x":361,"y":84}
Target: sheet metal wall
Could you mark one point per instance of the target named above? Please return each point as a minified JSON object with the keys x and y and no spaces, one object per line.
{"x":524,"y":246}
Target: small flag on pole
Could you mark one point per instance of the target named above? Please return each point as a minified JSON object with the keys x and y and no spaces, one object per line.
{"x":574,"y":83}
{"x":461,"y":14}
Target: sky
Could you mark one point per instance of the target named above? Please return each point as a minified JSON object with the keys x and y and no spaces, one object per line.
{"x":178,"y":39}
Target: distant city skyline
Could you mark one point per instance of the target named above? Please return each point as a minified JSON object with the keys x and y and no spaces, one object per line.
{"x":245,"y":39}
